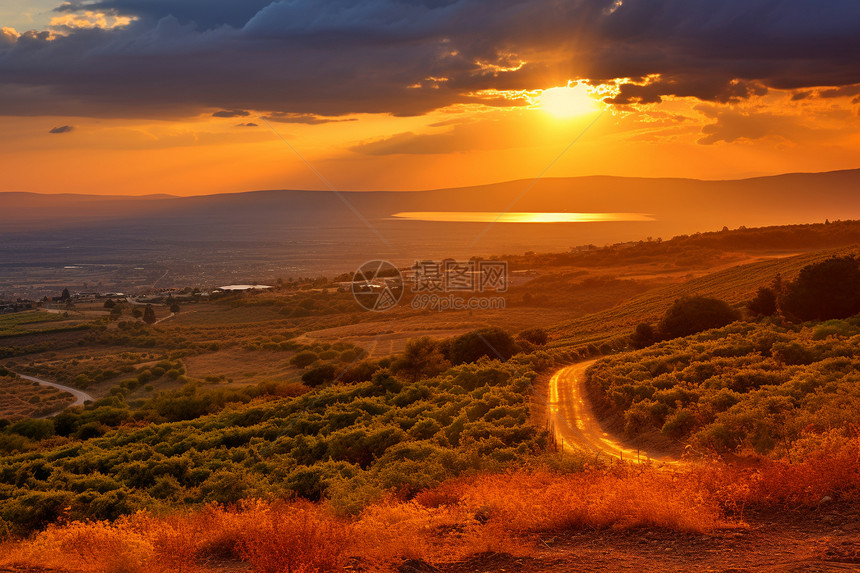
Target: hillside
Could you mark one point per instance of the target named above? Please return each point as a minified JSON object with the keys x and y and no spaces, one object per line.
{"x":734,"y":285}
{"x":780,"y":391}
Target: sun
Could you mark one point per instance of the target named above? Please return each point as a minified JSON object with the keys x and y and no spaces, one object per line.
{"x":564,"y":102}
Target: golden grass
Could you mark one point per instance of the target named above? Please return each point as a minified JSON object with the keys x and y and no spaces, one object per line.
{"x":487,"y":512}
{"x":625,"y":497}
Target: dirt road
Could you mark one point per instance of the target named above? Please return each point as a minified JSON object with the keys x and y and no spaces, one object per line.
{"x":575,"y":424}
{"x":80,"y":397}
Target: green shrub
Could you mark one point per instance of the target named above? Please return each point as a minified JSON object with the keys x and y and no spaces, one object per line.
{"x":320,"y":375}
{"x":35,"y":429}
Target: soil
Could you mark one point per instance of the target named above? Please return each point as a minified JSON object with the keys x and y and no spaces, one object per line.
{"x":822,"y":539}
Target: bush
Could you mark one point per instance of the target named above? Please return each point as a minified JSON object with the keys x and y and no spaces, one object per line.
{"x":763,"y":304}
{"x":319,"y":375}
{"x":422,"y":358}
{"x":361,"y":372}
{"x":693,"y":314}
{"x":297,"y":538}
{"x":492,"y":342}
{"x":536,"y":336}
{"x":33,"y":428}
{"x":303,"y":359}
{"x":825,"y":290}
{"x":643,"y":335}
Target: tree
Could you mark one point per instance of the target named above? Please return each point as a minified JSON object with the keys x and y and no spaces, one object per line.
{"x":65,"y":295}
{"x":109,"y":303}
{"x":492,"y":342}
{"x":823,"y":291}
{"x":537,"y":336}
{"x":136,"y":313}
{"x":763,"y":303}
{"x":149,"y":314}
{"x":422,"y":358}
{"x":643,"y":335}
{"x":692,"y":314}
{"x":174,"y":308}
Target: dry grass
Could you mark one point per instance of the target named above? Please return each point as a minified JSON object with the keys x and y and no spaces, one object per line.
{"x":625,"y":497}
{"x":244,"y":366}
{"x":21,"y":398}
{"x":488,"y":512}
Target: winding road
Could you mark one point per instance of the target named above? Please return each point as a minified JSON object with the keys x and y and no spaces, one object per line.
{"x":80,"y":397}
{"x":576,"y":426}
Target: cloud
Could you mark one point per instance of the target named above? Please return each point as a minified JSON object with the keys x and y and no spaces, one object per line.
{"x":841,"y":92}
{"x":247,"y":124}
{"x":306,"y":118}
{"x":734,"y":125}
{"x":201,"y":14}
{"x":61,"y":129}
{"x":409,"y":143}
{"x":231,"y":113}
{"x":8,"y":35}
{"x":67,"y":23}
{"x":313,"y":59}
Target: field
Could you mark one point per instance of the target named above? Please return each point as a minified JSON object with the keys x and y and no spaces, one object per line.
{"x":21,"y":398}
{"x":256,"y":428}
{"x":33,"y":321}
{"x":735,"y":285}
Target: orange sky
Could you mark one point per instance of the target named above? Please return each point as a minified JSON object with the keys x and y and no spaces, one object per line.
{"x":205,"y":155}
{"x":474,"y":138}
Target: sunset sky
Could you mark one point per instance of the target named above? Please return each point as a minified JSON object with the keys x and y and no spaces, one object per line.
{"x":184,"y":96}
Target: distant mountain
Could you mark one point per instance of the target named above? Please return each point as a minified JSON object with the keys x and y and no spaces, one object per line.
{"x":678,"y":205}
{"x":324,"y":231}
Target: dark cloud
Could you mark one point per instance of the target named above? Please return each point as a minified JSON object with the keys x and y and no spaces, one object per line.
{"x":312,"y":59}
{"x":61,"y":129}
{"x":201,"y":14}
{"x":231,"y":113}
{"x":247,"y":124}
{"x":844,"y":91}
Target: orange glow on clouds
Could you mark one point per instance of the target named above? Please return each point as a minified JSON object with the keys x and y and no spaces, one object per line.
{"x":462,"y":145}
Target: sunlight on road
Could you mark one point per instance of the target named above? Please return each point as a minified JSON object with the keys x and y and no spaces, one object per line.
{"x":576,"y":427}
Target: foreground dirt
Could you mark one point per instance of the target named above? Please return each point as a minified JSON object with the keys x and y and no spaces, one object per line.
{"x":825,"y":539}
